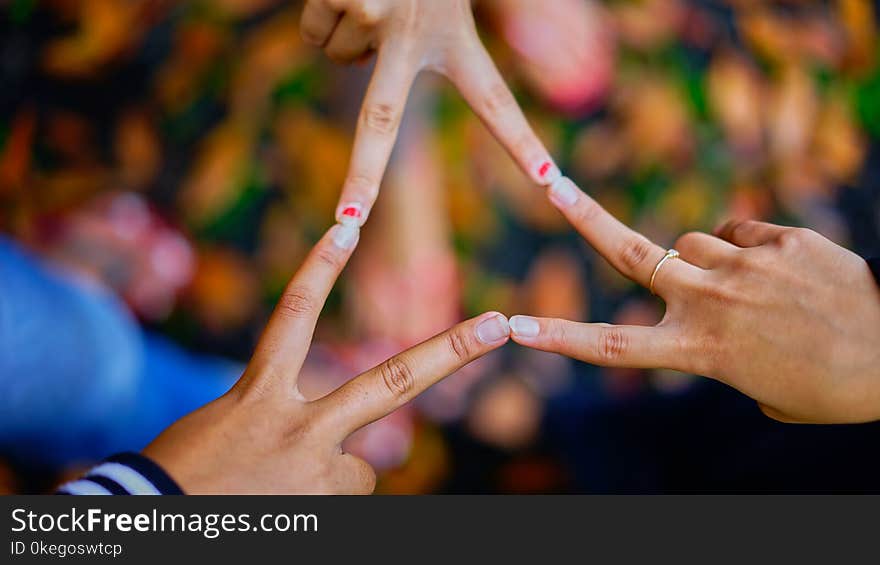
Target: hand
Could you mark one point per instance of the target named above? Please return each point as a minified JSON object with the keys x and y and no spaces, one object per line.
{"x":566,"y":49}
{"x":263,"y":436}
{"x":781,"y":314}
{"x":411,"y":35}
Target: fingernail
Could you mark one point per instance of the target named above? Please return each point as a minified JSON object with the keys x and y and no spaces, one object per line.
{"x":548,"y":172}
{"x":345,"y":237}
{"x":524,"y":326}
{"x":493,"y":329}
{"x":351,"y":214}
{"x":563,"y":192}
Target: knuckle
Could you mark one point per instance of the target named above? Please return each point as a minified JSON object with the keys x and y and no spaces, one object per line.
{"x":587,"y":211}
{"x":328,"y":257}
{"x":634,"y":252}
{"x":613,"y":344}
{"x":380,"y":118}
{"x":556,"y":334}
{"x":364,"y":184}
{"x":298,"y":302}
{"x":398,"y":376}
{"x":794,"y":238}
{"x":461,"y":346}
{"x":498,"y":99}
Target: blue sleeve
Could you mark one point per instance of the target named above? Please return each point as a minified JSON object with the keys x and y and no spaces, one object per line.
{"x":79,"y":379}
{"x":70,"y":357}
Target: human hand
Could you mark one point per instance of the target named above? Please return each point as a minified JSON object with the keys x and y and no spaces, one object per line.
{"x":781,"y":314}
{"x":263,"y":436}
{"x":412,"y":35}
{"x":566,"y":49}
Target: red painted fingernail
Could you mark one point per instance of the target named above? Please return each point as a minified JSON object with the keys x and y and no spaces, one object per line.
{"x":548,"y":172}
{"x":351,"y":214}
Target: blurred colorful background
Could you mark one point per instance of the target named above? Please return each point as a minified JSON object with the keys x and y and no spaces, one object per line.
{"x":185,"y":155}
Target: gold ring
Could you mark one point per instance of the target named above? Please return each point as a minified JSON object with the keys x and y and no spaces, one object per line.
{"x":671,"y":254}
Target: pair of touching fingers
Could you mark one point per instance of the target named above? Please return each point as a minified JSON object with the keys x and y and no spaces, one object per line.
{"x":410,"y":36}
{"x":281,"y":351}
{"x":635,"y":257}
{"x":283,"y":347}
{"x":755,"y":305}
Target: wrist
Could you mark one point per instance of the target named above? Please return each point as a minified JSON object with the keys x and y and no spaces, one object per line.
{"x":124,"y":474}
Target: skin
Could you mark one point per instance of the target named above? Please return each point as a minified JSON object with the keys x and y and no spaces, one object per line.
{"x":410,"y":36}
{"x":263,"y":436}
{"x":781,"y":314}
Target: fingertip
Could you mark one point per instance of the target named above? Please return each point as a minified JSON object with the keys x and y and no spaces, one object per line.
{"x":344,"y":236}
{"x":563,"y":193}
{"x":351,"y":214}
{"x":492,"y":328}
{"x":524,"y":327}
{"x":546,"y":172}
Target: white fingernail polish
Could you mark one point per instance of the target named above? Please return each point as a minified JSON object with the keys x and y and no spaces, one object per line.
{"x":493,"y":329}
{"x":345,"y":237}
{"x":548,"y":172}
{"x":563,"y":192}
{"x":351,"y":214}
{"x":525,"y":326}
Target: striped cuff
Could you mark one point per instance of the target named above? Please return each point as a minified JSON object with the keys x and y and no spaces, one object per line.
{"x":126,"y":473}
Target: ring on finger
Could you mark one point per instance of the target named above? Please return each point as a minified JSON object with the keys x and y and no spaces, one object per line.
{"x":668,"y":256}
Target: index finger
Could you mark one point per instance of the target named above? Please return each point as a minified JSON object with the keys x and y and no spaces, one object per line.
{"x":376,"y":132}
{"x":387,"y":387}
{"x":628,"y":251}
{"x":285,"y":341}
